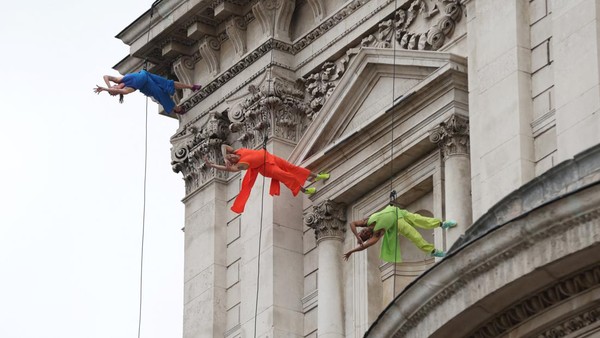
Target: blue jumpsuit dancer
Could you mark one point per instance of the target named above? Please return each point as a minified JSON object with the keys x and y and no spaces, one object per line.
{"x":154,"y":86}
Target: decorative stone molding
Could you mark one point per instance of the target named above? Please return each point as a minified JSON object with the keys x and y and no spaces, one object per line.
{"x":318,"y":8}
{"x":452,"y":136}
{"x":328,"y":219}
{"x":319,"y":86}
{"x":190,"y":148}
{"x":404,"y":19}
{"x":540,"y":302}
{"x":184,"y":70}
{"x":279,"y":45}
{"x":209,"y":49}
{"x":275,"y":12}
{"x":276,"y":107}
{"x":236,"y":31}
{"x":572,"y":325}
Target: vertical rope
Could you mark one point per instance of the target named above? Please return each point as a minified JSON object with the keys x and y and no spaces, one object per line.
{"x":145,"y":179}
{"x":262,"y":192}
{"x":393,"y":195}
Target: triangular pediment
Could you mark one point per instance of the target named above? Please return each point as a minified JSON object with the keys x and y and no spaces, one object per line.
{"x":364,"y":94}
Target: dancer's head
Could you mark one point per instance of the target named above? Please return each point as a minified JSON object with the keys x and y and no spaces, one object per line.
{"x":365,"y":234}
{"x":232,"y":158}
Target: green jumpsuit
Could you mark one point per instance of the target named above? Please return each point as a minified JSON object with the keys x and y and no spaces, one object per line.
{"x":385,"y":219}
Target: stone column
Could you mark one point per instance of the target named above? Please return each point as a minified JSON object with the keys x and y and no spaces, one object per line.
{"x":329,"y":222}
{"x":452,"y":136}
{"x":205,"y":266}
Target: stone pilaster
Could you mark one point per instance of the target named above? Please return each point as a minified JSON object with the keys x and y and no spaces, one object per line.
{"x":276,"y":107}
{"x":452,"y":137}
{"x":329,"y":222}
{"x":190,"y":148}
{"x":278,"y":12}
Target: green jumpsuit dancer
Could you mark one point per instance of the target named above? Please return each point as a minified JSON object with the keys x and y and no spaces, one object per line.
{"x":406,"y":221}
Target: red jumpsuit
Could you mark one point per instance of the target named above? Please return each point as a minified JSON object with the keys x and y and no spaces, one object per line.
{"x":277,"y":169}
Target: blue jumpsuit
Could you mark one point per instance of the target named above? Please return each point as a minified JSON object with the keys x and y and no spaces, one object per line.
{"x":157,"y":87}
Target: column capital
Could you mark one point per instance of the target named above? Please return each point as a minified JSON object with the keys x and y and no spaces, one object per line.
{"x":452,"y":136}
{"x":328,"y":219}
{"x":193,"y":145}
{"x":275,"y":107}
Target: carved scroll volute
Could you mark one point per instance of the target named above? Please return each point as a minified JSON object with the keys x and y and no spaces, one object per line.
{"x":190,"y":149}
{"x":236,"y":30}
{"x":209,"y":50}
{"x":441,"y":25}
{"x":328,"y":219}
{"x":184,"y":70}
{"x":318,"y":8}
{"x":452,"y":136}
{"x":278,"y":12}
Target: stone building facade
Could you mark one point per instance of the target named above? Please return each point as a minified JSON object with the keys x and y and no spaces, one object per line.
{"x":483,"y":111}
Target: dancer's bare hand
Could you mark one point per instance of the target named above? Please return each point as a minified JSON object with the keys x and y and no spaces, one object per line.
{"x":347,"y":255}
{"x":98,"y":89}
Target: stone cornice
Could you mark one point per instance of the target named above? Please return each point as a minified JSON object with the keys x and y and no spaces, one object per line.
{"x":573,"y":324}
{"x":540,"y":301}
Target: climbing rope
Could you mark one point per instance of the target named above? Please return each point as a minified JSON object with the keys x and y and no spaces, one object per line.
{"x":393,"y":195}
{"x":145,"y":179}
{"x":270,"y":90}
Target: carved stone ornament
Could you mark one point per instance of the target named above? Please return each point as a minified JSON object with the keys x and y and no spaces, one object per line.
{"x":452,"y":136}
{"x":318,"y":8}
{"x":541,"y":301}
{"x":209,"y":49}
{"x":184,"y":70}
{"x":320,"y":85}
{"x":441,"y":16}
{"x":276,"y":107}
{"x":190,"y":148}
{"x":275,"y":12}
{"x":328,"y":219}
{"x":236,"y":30}
{"x":572,"y":325}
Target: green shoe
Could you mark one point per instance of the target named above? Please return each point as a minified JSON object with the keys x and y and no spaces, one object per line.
{"x":321,"y":176}
{"x":448,"y":224}
{"x":438,"y":253}
{"x":310,"y":191}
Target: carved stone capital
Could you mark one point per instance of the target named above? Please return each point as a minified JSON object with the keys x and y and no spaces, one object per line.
{"x":276,"y":107}
{"x":209,"y":48}
{"x":328,"y":219}
{"x":278,"y":12}
{"x":190,"y":148}
{"x":452,"y":136}
{"x":236,"y":30}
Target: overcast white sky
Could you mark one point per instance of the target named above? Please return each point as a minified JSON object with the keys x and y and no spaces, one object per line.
{"x":71,"y":181}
